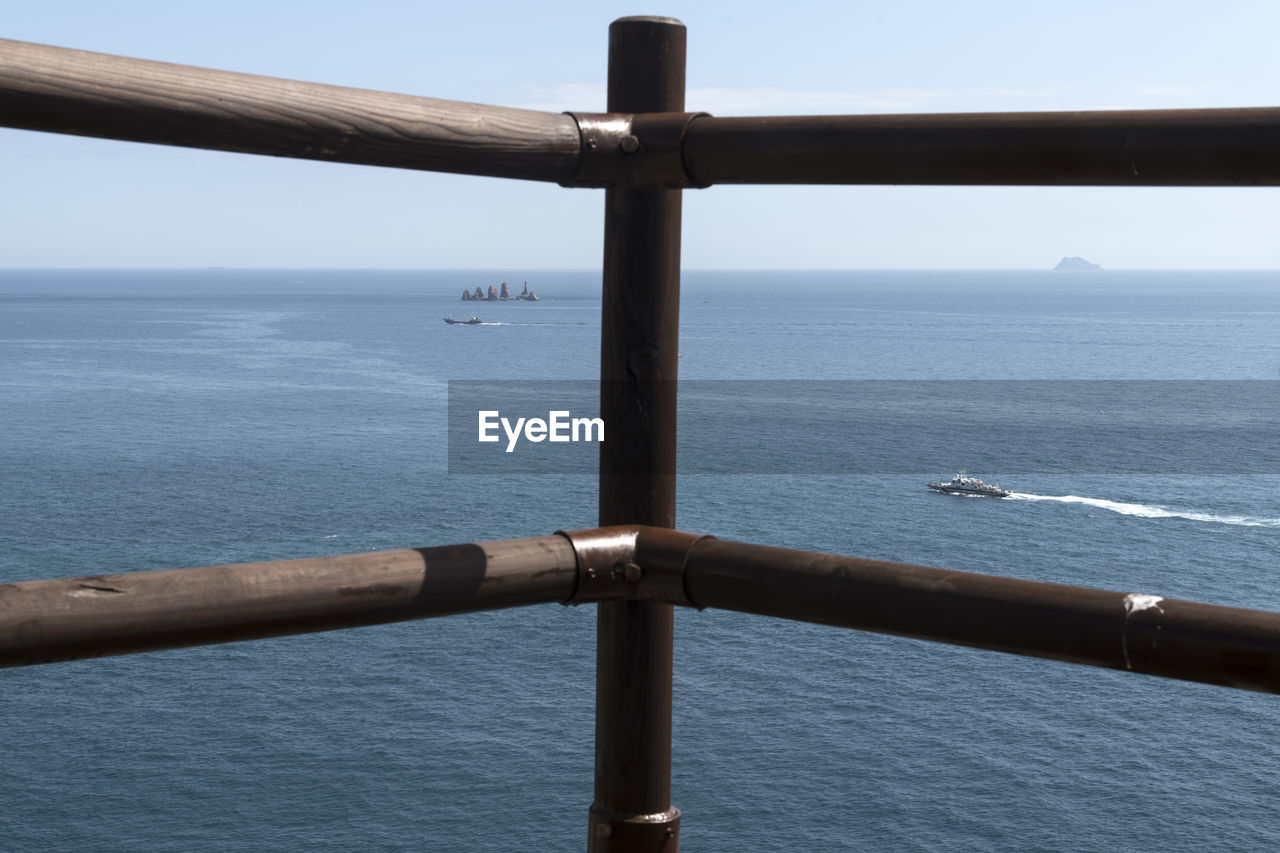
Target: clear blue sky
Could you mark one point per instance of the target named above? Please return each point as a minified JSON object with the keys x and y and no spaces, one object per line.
{"x":66,"y":201}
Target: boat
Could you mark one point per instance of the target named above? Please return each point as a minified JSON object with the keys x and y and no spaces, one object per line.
{"x":474,"y":321}
{"x":963,"y":484}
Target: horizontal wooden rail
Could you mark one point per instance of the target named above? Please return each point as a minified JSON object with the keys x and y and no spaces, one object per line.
{"x":57,"y":620}
{"x":92,"y":94}
{"x":1212,"y":147}
{"x":1135,"y":632}
{"x":46,"y":621}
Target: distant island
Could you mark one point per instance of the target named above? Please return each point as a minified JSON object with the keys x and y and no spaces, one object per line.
{"x":496,"y":295}
{"x":1076,"y":264}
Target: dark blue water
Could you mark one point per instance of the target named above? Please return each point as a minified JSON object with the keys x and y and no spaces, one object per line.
{"x":162,"y":419}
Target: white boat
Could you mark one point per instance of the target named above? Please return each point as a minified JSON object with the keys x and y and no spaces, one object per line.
{"x":963,"y":484}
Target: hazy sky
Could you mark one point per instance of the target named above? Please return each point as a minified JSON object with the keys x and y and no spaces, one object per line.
{"x":66,"y":201}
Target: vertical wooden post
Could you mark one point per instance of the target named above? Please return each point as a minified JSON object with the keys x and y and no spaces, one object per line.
{"x":639,"y":335}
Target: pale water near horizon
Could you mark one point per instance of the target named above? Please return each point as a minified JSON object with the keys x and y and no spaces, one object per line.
{"x":157,"y":419}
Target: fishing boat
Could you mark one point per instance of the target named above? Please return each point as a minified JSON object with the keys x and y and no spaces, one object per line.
{"x":474,"y":321}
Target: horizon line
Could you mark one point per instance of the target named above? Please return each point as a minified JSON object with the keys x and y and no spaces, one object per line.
{"x":250,"y":268}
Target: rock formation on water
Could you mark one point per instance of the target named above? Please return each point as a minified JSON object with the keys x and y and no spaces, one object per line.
{"x":495,"y":295}
{"x":1076,"y":263}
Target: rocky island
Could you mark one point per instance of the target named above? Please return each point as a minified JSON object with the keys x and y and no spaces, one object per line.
{"x":1076,"y":264}
{"x":503,"y":295}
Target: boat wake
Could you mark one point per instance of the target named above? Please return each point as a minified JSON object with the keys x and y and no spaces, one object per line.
{"x":1152,"y":511}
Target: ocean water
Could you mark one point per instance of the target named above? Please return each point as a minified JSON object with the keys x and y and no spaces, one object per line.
{"x":157,"y":419}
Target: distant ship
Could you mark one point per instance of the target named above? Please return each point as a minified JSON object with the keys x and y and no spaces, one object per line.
{"x":962,"y":484}
{"x":474,"y":321}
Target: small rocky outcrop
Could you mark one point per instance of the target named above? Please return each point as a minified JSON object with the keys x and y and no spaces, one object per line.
{"x":1076,"y":263}
{"x":503,"y":295}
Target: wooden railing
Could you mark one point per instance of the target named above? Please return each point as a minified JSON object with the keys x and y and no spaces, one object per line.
{"x":644,"y":150}
{"x":72,"y":619}
{"x":91,"y":94}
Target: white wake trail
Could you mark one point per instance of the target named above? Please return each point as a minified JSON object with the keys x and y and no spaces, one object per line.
{"x":1152,"y":511}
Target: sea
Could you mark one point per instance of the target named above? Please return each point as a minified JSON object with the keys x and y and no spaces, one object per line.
{"x":154,"y":419}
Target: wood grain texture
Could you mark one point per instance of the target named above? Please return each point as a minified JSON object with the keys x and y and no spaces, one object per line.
{"x":90,"y":94}
{"x":69,"y":619}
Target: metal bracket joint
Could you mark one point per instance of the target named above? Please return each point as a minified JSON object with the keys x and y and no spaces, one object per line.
{"x":636,"y":151}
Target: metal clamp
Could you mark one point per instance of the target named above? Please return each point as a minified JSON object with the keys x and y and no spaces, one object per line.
{"x":610,"y":831}
{"x":640,"y":151}
{"x":603,"y":554}
{"x":631,"y":561}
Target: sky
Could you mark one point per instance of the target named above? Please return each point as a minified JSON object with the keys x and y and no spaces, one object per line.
{"x":71,"y":202}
